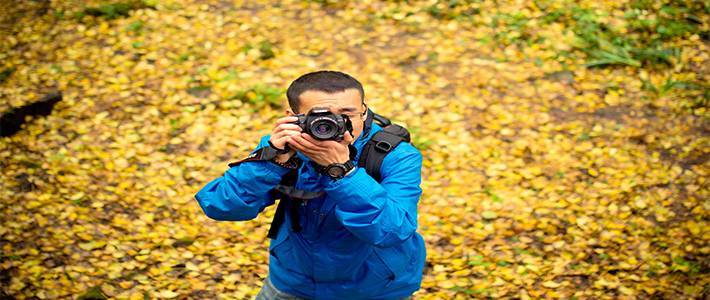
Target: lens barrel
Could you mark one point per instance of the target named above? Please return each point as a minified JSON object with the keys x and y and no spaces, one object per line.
{"x":324,"y":127}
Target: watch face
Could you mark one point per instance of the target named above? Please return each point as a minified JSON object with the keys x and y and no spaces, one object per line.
{"x":336,"y":171}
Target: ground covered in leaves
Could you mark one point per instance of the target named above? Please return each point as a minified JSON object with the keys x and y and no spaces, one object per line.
{"x":565,"y":142}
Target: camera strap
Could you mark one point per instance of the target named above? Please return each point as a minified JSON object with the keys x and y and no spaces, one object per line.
{"x":290,"y":197}
{"x":263,"y":153}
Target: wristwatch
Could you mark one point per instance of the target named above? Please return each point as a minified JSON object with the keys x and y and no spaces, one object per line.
{"x":337,"y":170}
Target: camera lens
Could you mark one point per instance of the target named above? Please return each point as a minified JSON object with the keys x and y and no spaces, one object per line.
{"x":323,"y":128}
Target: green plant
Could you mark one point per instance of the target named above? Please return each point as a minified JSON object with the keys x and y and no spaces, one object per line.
{"x":453,"y":9}
{"x":648,"y":38}
{"x":694,"y":95}
{"x":260,"y":95}
{"x":265,"y":48}
{"x":419,"y":141}
{"x":511,"y":28}
{"x":5,"y":74}
{"x":113,"y":10}
{"x":136,"y":26}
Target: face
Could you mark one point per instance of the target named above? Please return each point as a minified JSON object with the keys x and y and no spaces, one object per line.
{"x":346,"y":102}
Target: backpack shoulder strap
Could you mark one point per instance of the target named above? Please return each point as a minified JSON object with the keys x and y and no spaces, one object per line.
{"x":374,"y":152}
{"x":290,"y":199}
{"x":279,"y":216}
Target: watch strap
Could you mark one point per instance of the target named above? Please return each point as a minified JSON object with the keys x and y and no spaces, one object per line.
{"x":321,"y":169}
{"x":348,"y":166}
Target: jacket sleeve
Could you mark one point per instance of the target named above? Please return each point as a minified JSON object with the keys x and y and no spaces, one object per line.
{"x":383,"y":214}
{"x":242,"y":192}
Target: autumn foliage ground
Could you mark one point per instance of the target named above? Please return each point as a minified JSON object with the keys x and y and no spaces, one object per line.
{"x":565,"y":142}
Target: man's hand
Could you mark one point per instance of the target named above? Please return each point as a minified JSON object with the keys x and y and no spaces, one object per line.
{"x":280,"y":134}
{"x":322,"y":152}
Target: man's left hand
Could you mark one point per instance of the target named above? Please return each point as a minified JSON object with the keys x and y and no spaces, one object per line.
{"x":322,"y":152}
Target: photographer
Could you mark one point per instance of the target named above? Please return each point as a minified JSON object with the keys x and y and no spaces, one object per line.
{"x":347,"y":235}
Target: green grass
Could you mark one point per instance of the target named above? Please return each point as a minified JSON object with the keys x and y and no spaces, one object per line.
{"x":260,"y":95}
{"x":652,"y":28}
{"x":418,"y":141}
{"x":494,"y":196}
{"x":453,"y":10}
{"x":136,"y":26}
{"x":265,"y":48}
{"x":646,"y":41}
{"x":114,"y":10}
{"x":5,"y":74}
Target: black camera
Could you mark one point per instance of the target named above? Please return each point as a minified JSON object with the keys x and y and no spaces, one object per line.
{"x":323,"y":125}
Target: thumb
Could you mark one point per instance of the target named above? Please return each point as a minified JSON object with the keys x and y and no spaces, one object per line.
{"x":348,"y":138}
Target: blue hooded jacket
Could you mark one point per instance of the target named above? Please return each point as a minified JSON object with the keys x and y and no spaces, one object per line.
{"x":358,"y":241}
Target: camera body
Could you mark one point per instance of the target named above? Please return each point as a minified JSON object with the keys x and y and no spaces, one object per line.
{"x":324,"y":125}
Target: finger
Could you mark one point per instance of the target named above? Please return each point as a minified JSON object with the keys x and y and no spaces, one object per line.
{"x":286,"y":119}
{"x":295,"y":145}
{"x":291,"y":132}
{"x":348,"y":138}
{"x":304,"y":143}
{"x":312,"y":140}
{"x":288,"y":132}
{"x":284,"y":135}
{"x":320,"y":145}
{"x":287,"y":126}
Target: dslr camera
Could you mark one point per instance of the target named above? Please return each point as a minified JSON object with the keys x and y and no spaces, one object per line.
{"x":324,"y":125}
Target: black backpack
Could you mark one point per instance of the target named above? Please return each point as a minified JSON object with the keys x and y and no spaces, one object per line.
{"x":373,"y":153}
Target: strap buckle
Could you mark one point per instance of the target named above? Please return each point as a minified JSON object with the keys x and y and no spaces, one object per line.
{"x":383,"y":146}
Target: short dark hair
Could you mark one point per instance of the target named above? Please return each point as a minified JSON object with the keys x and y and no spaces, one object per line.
{"x":324,"y":81}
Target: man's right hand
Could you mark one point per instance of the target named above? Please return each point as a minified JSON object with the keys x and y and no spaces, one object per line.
{"x":280,"y":136}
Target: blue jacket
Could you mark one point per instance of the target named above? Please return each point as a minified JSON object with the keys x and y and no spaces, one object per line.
{"x":359,"y":241}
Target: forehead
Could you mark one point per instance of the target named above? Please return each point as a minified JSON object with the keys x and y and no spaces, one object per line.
{"x":349,"y":98}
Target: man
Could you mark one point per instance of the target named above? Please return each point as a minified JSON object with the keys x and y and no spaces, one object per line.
{"x":358,"y":240}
